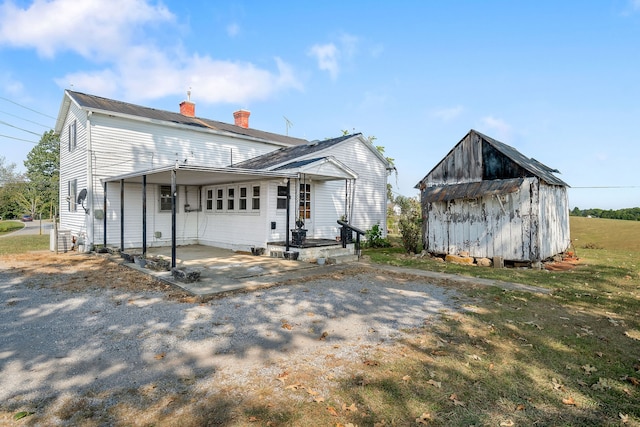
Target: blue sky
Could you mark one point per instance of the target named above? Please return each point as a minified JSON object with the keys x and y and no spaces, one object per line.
{"x":558,"y":80}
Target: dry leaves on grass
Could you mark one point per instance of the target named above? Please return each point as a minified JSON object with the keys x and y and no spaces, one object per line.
{"x":434,"y":383}
{"x":456,"y":402}
{"x":351,"y":408}
{"x":424,"y":418}
{"x":569,"y":401}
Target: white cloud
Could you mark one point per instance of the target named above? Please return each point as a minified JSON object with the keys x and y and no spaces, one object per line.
{"x":327,"y":57}
{"x":498,"y":128}
{"x":635,"y":4}
{"x":448,"y":114}
{"x":117,"y":37}
{"x":90,"y":28}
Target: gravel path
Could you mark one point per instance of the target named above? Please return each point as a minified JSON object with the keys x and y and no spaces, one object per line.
{"x":59,"y":343}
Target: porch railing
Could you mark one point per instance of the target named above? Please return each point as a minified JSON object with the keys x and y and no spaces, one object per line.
{"x":347,"y":231}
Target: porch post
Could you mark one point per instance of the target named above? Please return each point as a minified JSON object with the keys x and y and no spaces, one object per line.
{"x":104,"y":214}
{"x":144,"y":215}
{"x":173,"y":218}
{"x":288,"y":212}
{"x":122,"y":214}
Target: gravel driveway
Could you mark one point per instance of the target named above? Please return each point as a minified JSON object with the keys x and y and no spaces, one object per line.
{"x":100,"y":341}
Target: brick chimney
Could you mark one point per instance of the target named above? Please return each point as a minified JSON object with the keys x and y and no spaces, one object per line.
{"x":241,"y":118}
{"x":188,"y":108}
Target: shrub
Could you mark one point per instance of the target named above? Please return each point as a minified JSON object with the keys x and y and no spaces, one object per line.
{"x":375,"y":239}
{"x":410,"y":230}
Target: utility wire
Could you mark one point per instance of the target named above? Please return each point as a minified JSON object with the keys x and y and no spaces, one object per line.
{"x":614,"y":186}
{"x":17,"y":139}
{"x":19,"y":128}
{"x":26,"y":120}
{"x":27,"y":108}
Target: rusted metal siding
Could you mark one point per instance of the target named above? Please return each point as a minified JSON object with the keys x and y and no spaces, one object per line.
{"x":529,"y":224}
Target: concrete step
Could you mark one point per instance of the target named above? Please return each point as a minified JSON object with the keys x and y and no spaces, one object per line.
{"x":342,"y":259}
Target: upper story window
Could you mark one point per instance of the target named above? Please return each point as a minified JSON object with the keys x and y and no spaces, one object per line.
{"x":72,"y":136}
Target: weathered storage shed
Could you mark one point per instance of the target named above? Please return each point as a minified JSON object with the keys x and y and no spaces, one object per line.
{"x":488,"y":199}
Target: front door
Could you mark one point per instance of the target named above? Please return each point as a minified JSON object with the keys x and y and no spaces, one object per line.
{"x":304,"y":206}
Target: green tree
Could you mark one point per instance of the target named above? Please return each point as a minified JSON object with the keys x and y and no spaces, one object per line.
{"x":43,"y":174}
{"x":10,"y":186}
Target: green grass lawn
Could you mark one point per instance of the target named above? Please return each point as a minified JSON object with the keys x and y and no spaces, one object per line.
{"x":20,"y":244}
{"x":9,"y":226}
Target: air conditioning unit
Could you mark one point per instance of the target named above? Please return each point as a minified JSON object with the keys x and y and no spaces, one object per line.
{"x":64,"y":240}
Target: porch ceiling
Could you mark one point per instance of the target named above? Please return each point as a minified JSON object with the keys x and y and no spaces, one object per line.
{"x":199,"y":175}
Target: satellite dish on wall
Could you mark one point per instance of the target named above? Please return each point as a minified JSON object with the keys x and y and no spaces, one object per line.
{"x":81,"y":198}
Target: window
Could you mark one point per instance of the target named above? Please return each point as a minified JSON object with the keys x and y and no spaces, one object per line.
{"x":255,"y":200}
{"x":72,"y":197}
{"x":165,"y":198}
{"x":282,"y":197}
{"x":219,"y":199}
{"x":209,"y":200}
{"x":231,"y":198}
{"x":72,"y":136}
{"x":242,"y":201}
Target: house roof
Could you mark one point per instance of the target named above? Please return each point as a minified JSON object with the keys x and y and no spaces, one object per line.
{"x":100,"y":104}
{"x":284,"y":156}
{"x":531,"y":165}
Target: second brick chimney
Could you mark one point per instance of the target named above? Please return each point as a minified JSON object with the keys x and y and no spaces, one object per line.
{"x":188,"y":108}
{"x":241,"y":118}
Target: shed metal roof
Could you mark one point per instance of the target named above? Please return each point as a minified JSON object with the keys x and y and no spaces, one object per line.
{"x":471,"y":190}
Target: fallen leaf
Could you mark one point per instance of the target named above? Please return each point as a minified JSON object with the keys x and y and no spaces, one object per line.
{"x":406,"y":378}
{"x":332,"y":411}
{"x":287,"y":326}
{"x":424,"y":418}
{"x":589,"y":369}
{"x":312,"y":392}
{"x":507,"y":423}
{"x":599,"y":354}
{"x":22,"y":414}
{"x":371,"y":363}
{"x":253,"y":419}
{"x":627,"y":391}
{"x":556,"y":384}
{"x":475,"y":357}
{"x":569,"y":401}
{"x":436,"y":384}
{"x":520,"y":407}
{"x":282,"y":376}
{"x":160,"y":356}
{"x":318,"y":399}
{"x":491,"y":366}
{"x":624,"y":418}
{"x":633,"y":380}
{"x":351,"y":408}
{"x":456,"y":402}
{"x":323,"y":336}
{"x":293,"y":387}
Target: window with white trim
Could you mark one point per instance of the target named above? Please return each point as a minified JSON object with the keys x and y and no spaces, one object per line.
{"x":72,"y":187}
{"x":72,"y":136}
{"x":242,"y":199}
{"x":281,"y":203}
{"x":165,"y":198}
{"x":255,"y":200}
{"x":209,"y":200}
{"x":231,"y":198}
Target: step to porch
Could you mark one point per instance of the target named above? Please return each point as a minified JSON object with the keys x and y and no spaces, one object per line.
{"x":342,"y":259}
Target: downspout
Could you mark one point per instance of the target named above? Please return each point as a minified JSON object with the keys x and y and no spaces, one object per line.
{"x":91,"y":227}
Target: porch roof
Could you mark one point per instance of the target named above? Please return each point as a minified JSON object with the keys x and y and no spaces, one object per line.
{"x":199,"y":175}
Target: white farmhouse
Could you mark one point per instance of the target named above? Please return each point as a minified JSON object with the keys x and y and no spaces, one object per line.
{"x":132,"y":177}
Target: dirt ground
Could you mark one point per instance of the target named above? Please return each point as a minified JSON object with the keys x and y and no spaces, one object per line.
{"x":87,"y":341}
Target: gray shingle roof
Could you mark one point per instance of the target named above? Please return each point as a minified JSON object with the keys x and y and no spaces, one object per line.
{"x":92,"y":102}
{"x":289,"y":154}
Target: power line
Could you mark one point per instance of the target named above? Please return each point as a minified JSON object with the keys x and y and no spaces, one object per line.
{"x":19,"y":128}
{"x":613,"y":186}
{"x":17,"y":139}
{"x":27,"y":108}
{"x":26,"y":120}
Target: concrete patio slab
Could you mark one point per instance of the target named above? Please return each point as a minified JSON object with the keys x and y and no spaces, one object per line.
{"x":223,"y":270}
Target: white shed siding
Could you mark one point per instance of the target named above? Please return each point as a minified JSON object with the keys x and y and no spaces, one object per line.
{"x":486,"y":227}
{"x":554,"y":212}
